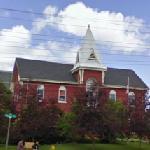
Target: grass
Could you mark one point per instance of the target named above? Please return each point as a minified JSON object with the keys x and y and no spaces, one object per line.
{"x":130,"y":146}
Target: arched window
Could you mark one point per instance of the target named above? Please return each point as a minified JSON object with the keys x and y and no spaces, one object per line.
{"x":40,"y":93}
{"x":62,"y":94}
{"x":91,"y":85}
{"x":112,"y":95}
{"x":91,"y":89}
{"x":131,"y":98}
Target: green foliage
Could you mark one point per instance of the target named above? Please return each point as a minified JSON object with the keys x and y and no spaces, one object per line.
{"x":5,"y":107}
{"x":66,"y":126}
{"x":37,"y":122}
{"x":5,"y":99}
{"x":115,"y":120}
{"x":105,"y":122}
{"x":147,"y":120}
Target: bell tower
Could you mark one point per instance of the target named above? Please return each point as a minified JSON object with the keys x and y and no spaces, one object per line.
{"x":88,"y":60}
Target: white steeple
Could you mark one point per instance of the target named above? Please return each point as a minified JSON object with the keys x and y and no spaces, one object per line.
{"x":87,"y":56}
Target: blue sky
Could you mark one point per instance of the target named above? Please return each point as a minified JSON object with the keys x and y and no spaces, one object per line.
{"x":52,"y":30}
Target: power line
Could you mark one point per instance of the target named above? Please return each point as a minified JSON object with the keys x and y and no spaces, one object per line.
{"x":82,"y":43}
{"x":49,"y":35}
{"x":49,"y":15}
{"x":13,"y":46}
{"x":62,"y":41}
{"x":123,"y":62}
{"x":120,"y":60}
{"x":74,"y":25}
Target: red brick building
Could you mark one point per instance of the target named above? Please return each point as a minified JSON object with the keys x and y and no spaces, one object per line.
{"x":64,"y":82}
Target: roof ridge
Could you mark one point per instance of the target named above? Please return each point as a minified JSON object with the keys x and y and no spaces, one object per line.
{"x":6,"y":71}
{"x":17,"y":58}
{"x":120,"y":69}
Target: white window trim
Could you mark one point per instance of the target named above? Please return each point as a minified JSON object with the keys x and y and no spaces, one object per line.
{"x":131,"y":94}
{"x":62,"y":88}
{"x":41,"y":86}
{"x":103,"y":76}
{"x":112,"y":92}
{"x":90,"y":79}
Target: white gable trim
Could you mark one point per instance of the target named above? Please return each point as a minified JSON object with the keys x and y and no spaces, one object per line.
{"x":89,"y":68}
{"x":124,"y":87}
{"x":49,"y":81}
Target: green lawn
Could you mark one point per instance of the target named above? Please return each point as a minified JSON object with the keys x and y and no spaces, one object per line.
{"x":130,"y":146}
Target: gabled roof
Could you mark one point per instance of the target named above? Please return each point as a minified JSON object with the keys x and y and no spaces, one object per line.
{"x":5,"y":77}
{"x":120,"y":77}
{"x":52,"y":71}
{"x":43,"y":70}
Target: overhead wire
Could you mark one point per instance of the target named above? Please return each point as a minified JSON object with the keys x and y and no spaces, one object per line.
{"x":94,"y":28}
{"x":49,"y":15}
{"x":67,"y":41}
{"x":73,"y":51}
{"x":98,"y":44}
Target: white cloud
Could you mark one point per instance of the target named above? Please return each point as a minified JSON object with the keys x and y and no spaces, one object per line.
{"x":47,"y":19}
{"x":14,"y":42}
{"x":109,"y":28}
{"x":55,"y":51}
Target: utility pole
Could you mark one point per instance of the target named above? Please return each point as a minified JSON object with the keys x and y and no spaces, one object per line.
{"x":9,"y":116}
{"x":7,"y":137}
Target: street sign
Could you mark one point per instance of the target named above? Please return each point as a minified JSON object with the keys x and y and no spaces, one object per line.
{"x":10,"y":116}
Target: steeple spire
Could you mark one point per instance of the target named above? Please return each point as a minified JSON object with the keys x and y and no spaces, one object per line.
{"x":87,"y":56}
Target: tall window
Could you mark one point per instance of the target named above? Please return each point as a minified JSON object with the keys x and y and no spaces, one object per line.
{"x":40,"y":93}
{"x":62,"y":94}
{"x":91,"y":85}
{"x":112,"y":95}
{"x":131,"y":98}
{"x":91,"y":89}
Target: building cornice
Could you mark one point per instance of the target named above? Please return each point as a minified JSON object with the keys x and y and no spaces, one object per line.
{"x":88,"y":68}
{"x":124,"y":87}
{"x":49,"y":81}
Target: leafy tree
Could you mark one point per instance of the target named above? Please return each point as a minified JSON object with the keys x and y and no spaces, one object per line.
{"x":5,"y":99}
{"x":147,"y":123}
{"x":104,"y":121}
{"x":114,"y":120}
{"x":37,"y":121}
{"x":66,"y":127}
{"x":137,"y":120}
{"x":5,"y":107}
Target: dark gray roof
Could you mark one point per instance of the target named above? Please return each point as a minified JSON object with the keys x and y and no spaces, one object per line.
{"x":36,"y":69}
{"x":120,"y":77}
{"x":5,"y":77}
